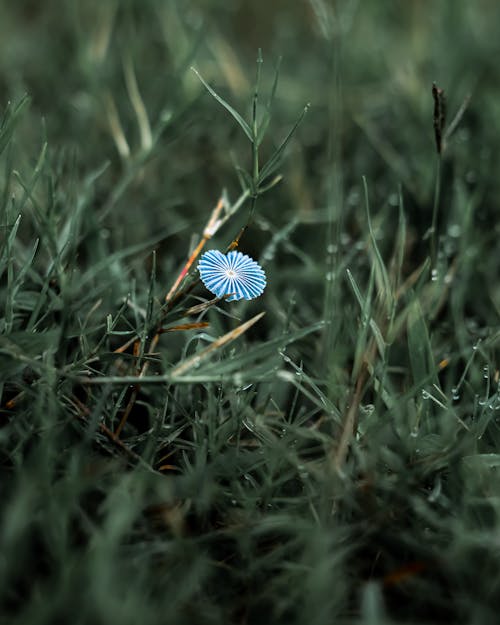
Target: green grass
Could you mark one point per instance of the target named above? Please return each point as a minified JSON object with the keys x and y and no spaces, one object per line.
{"x":326,"y":453}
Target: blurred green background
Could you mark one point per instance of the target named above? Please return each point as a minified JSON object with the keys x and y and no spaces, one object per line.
{"x":137,"y":154}
{"x":365,"y":68}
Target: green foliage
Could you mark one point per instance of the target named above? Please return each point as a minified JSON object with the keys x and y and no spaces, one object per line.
{"x":326,"y":453}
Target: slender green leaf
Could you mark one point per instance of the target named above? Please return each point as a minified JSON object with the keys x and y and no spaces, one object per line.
{"x":9,"y":120}
{"x":266,"y":118}
{"x":419,"y":345}
{"x":273,"y":163}
{"x":243,"y":124}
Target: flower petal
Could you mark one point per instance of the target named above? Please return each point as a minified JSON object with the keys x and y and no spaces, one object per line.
{"x":234,"y":274}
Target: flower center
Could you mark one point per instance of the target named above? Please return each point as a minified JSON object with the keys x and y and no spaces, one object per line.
{"x":230,"y":273}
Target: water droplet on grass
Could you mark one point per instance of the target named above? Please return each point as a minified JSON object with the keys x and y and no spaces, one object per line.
{"x":303,"y":473}
{"x":393,"y":199}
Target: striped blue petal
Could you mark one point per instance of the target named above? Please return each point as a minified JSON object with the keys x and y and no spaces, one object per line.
{"x":234,"y":274}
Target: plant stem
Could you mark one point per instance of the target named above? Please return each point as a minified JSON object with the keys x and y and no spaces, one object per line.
{"x":437,"y":196}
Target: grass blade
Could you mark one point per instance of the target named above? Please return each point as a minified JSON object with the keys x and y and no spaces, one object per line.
{"x":195,"y":360}
{"x":242,"y":123}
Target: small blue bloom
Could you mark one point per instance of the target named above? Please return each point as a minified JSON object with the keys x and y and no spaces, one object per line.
{"x":234,"y":273}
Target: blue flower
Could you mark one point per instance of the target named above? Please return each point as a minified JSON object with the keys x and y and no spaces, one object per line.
{"x":234,"y":274}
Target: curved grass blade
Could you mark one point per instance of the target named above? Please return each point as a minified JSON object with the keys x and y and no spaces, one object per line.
{"x":264,"y":124}
{"x":244,"y":126}
{"x":273,"y":163}
{"x":9,"y":120}
{"x":194,"y":361}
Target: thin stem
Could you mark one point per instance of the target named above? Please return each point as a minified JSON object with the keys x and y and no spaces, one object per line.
{"x":255,"y":130}
{"x":234,"y":244}
{"x":210,"y":229}
{"x":433,"y":231}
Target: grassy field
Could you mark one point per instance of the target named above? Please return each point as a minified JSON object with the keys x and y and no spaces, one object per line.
{"x":326,"y":453}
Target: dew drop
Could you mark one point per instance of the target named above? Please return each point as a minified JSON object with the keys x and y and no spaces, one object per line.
{"x":367,"y":409}
{"x":238,"y":379}
{"x":434,"y":275}
{"x":353,"y":197}
{"x":393,"y":199}
{"x":303,"y":474}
